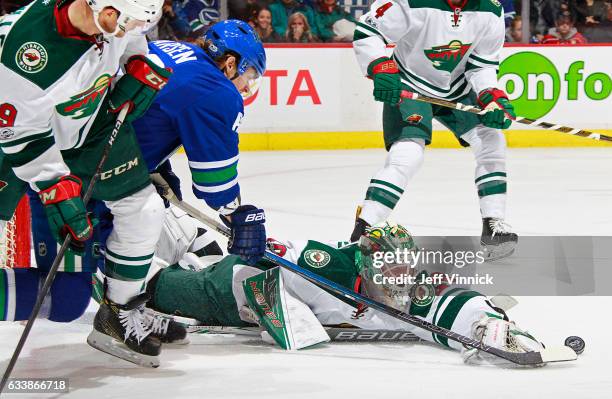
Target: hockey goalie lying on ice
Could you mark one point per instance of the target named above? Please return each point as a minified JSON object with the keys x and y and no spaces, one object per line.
{"x":202,"y":284}
{"x":292,"y":311}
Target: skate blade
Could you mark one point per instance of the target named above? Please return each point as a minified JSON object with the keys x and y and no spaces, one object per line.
{"x":109,"y":345}
{"x":178,"y":342}
{"x":496,"y":252}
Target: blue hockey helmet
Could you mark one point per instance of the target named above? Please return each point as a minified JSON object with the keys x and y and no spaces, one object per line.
{"x":238,"y":37}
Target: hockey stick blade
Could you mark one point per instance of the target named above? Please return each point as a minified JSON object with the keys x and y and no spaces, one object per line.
{"x":529,"y":358}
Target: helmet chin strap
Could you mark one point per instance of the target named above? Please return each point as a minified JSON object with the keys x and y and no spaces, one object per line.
{"x":96,"y":16}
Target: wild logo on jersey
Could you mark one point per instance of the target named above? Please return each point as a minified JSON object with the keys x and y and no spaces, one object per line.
{"x":31,"y":57}
{"x":3,"y":184}
{"x":85,"y":104}
{"x":448,"y":56}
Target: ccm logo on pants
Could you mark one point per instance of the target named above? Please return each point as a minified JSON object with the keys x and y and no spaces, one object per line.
{"x":119,"y":169}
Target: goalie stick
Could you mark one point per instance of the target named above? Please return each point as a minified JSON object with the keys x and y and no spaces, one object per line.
{"x":336,"y":333}
{"x":525,"y":121}
{"x":60,"y":253}
{"x":558,"y":354}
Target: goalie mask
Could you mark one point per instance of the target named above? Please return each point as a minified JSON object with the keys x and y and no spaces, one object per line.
{"x":385,"y":259}
{"x":137,"y":16}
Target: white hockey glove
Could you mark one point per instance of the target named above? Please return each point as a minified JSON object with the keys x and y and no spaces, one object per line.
{"x":501,"y":334}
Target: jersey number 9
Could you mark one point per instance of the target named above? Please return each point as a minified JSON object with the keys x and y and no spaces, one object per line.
{"x":8,"y":113}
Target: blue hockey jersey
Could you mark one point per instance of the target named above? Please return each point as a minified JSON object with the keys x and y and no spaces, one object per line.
{"x":201,"y":110}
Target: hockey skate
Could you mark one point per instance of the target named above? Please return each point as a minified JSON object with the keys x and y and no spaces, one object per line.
{"x":497,"y":240}
{"x":124,"y":331}
{"x":165,"y":328}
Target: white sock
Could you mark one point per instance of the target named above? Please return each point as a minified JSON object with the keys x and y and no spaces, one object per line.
{"x":387,"y":186}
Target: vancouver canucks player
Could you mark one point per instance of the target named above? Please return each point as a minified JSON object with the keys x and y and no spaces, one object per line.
{"x":58,"y":61}
{"x":201,"y":109}
{"x":446,"y":49}
{"x":293,"y":310}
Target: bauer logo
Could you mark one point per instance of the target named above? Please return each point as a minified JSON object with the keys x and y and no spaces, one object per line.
{"x":255,"y":217}
{"x":535,"y":84}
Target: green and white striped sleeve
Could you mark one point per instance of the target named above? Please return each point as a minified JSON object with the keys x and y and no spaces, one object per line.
{"x":26,"y":136}
{"x":483,"y":63}
{"x":385,"y":23}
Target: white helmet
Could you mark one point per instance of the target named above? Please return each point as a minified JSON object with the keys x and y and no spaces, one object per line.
{"x":143,"y":13}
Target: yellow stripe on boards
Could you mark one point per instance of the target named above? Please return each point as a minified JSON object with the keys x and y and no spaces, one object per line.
{"x":441,"y":139}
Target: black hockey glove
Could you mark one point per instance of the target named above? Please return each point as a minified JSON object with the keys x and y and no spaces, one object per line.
{"x":248,"y":239}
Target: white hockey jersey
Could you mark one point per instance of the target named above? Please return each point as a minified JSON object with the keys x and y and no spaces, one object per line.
{"x":442,"y":50}
{"x":51,"y":87}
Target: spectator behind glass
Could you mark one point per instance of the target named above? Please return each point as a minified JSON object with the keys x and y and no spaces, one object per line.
{"x":564,"y":33}
{"x":171,"y":26}
{"x":601,"y":32}
{"x":263,"y":26}
{"x":590,"y":12}
{"x":509,"y":11}
{"x":543,"y":14}
{"x":8,"y":6}
{"x":298,"y":29}
{"x":326,"y":19}
{"x":245,"y":10}
{"x":282,"y":9}
{"x":514,"y":32}
{"x":200,"y":14}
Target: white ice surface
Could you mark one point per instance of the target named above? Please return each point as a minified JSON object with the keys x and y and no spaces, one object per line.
{"x":313,"y":195}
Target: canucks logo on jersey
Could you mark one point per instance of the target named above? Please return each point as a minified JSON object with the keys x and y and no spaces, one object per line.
{"x":448,"y":56}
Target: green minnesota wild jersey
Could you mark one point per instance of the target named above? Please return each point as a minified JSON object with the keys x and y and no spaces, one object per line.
{"x":442,"y":50}
{"x":52,"y":87}
{"x":215,"y":295}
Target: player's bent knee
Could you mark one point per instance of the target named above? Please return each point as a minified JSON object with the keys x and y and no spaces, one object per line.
{"x":488,"y":145}
{"x":406,"y":157}
{"x":138,"y":217}
{"x":70,"y":296}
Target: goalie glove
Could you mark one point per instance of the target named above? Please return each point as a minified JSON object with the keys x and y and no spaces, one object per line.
{"x":500,"y":113}
{"x":502,"y":334}
{"x":387,"y":84}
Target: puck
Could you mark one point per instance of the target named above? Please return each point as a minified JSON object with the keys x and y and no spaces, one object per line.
{"x":576,"y":343}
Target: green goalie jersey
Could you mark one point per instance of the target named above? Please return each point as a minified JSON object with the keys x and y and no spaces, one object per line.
{"x":215,"y":295}
{"x":441,"y":50}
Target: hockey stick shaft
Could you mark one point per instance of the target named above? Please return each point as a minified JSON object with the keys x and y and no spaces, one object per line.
{"x":328,"y":285}
{"x":519,"y":119}
{"x":60,"y":253}
{"x":336,"y":334}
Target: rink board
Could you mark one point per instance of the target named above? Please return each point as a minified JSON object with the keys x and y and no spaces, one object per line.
{"x":315,"y":97}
